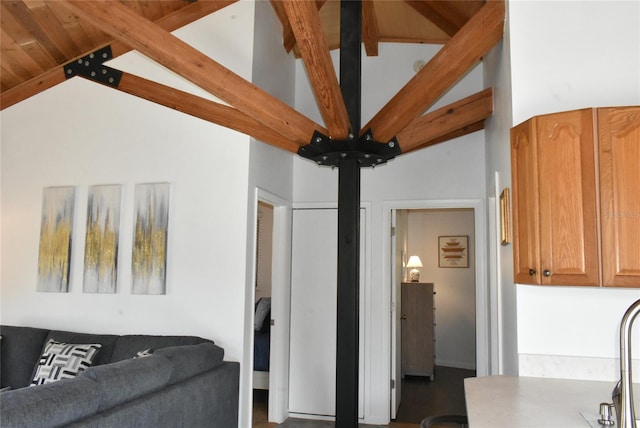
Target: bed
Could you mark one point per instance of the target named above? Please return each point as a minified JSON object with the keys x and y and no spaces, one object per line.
{"x":262,"y":343}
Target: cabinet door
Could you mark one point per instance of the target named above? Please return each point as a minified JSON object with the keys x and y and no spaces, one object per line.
{"x":619,"y":149}
{"x":567,"y":198}
{"x":524,"y":187}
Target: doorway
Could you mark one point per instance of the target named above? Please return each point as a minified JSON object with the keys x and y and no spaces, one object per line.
{"x":271,"y":310}
{"x":461,"y":345}
{"x":437,"y":305}
{"x":262,"y":314}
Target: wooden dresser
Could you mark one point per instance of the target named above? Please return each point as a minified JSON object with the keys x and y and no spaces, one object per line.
{"x":418,"y":331}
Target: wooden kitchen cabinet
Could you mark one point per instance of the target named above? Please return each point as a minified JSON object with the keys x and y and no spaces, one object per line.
{"x":525,"y":205}
{"x":554,"y":199}
{"x":418,"y":329}
{"x":619,"y":151}
{"x":576,"y":187}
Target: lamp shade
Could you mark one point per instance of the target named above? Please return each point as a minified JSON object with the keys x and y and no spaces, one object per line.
{"x":414,"y":262}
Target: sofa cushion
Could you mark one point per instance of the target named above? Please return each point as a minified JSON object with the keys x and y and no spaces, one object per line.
{"x":188,"y":361}
{"x":63,"y":361}
{"x":106,"y":340}
{"x":53,"y":404}
{"x":128,"y":346}
{"x":128,"y":379}
{"x":20,"y":349}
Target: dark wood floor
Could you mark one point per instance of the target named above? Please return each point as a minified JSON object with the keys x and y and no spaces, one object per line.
{"x":444,"y":395}
{"x":420,"y":398}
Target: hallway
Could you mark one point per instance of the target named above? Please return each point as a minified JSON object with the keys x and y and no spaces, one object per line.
{"x":444,"y":395}
{"x":421,"y":398}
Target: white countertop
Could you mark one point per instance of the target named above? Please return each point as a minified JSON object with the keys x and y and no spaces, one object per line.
{"x":528,"y":402}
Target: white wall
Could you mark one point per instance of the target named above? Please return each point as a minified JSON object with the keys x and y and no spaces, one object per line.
{"x":80,"y":133}
{"x":452,"y":170}
{"x":270,"y":173}
{"x":119,"y":139}
{"x":586,"y":54}
{"x":455,"y":288}
{"x":497,"y":74}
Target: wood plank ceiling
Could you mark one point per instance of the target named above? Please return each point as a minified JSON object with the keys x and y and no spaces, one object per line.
{"x":40,"y":37}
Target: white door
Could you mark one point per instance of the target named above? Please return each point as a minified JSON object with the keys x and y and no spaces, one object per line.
{"x":395,"y":349}
{"x":398,"y":257}
{"x":312,"y":364}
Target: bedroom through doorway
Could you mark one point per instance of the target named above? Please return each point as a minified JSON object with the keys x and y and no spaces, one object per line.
{"x":262,"y":316}
{"x":444,"y":239}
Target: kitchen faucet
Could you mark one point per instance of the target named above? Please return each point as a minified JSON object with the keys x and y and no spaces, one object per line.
{"x":623,"y":392}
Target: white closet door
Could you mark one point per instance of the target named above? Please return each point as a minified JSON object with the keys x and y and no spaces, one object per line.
{"x":312,"y":364}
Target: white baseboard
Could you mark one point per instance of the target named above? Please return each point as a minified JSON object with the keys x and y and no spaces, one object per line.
{"x":311,"y":416}
{"x":456,"y":364}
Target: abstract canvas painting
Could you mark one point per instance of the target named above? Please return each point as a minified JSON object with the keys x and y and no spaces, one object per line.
{"x":56,"y":224}
{"x":101,"y":243}
{"x":149,"y":258}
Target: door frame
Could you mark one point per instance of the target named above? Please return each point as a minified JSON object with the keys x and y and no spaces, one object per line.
{"x":280,"y":304}
{"x":483,"y":334}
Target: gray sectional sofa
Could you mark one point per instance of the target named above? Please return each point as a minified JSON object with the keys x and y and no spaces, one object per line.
{"x":183,"y":383}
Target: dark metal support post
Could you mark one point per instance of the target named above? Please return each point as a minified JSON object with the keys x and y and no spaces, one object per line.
{"x":348,"y":294}
{"x":350,"y":60}
{"x":347,"y":359}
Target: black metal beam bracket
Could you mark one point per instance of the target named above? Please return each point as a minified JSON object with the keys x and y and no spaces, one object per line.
{"x":92,"y":67}
{"x":369,"y":153}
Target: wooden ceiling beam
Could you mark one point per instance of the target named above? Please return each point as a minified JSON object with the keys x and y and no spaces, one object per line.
{"x":158,"y":44}
{"x":424,"y":130}
{"x":288,"y":38}
{"x":310,"y":39}
{"x":370,"y":32}
{"x":52,"y":77}
{"x":474,"y":127}
{"x":450,"y":22}
{"x":450,"y":64}
{"x":202,"y":108}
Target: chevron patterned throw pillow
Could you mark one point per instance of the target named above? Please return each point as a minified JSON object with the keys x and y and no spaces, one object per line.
{"x":63,"y":361}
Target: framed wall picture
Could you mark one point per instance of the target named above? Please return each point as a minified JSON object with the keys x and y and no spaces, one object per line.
{"x":453,"y":251}
{"x":56,"y":225}
{"x":149,"y":255}
{"x":505,"y":217}
{"x":101,"y":239}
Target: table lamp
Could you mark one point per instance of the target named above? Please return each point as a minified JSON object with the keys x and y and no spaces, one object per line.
{"x":414,"y":262}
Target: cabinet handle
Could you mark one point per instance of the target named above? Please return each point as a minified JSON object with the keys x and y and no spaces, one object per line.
{"x":546,"y":273}
{"x":403,"y":317}
{"x":532,"y":272}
